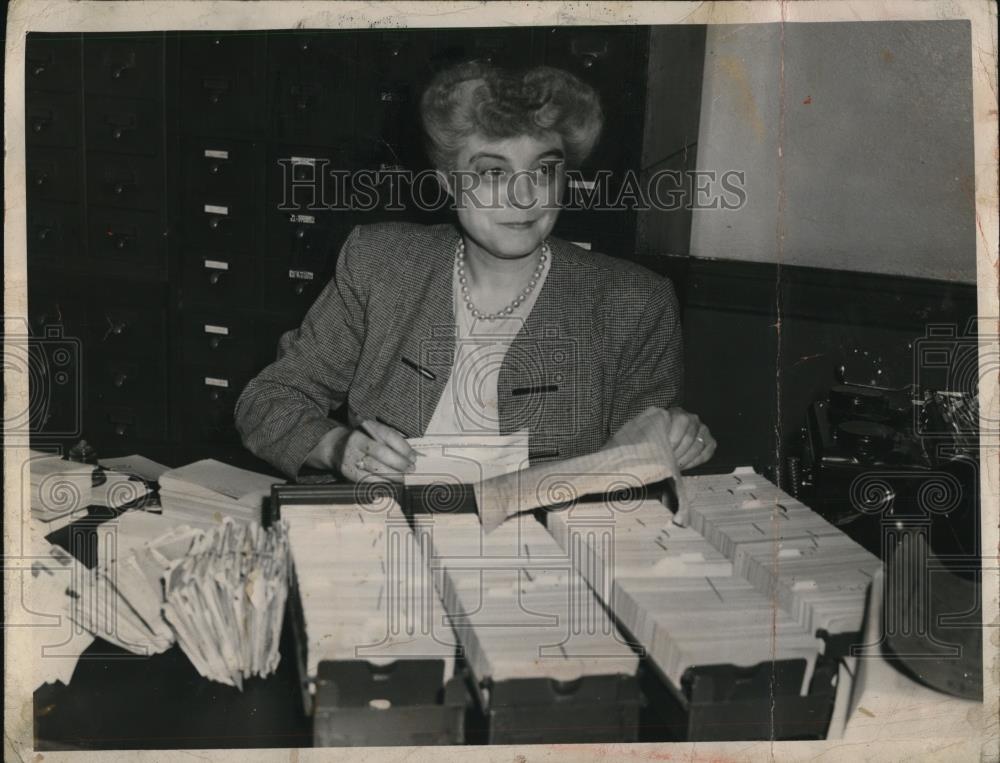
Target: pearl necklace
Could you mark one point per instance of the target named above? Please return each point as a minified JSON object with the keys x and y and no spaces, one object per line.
{"x":516,"y":303}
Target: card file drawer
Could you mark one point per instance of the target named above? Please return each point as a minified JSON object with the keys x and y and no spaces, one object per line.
{"x":208,"y":398}
{"x":131,"y":331}
{"x":119,"y":425}
{"x":51,"y":119}
{"x":53,"y":175}
{"x":291,"y":290}
{"x":221,"y":170}
{"x":220,"y":82}
{"x":311,"y":76}
{"x":52,"y":61}
{"x":118,"y":180}
{"x":131,"y":238}
{"x":219,"y":338}
{"x":53,"y":231}
{"x":129,"y":64}
{"x":211,"y":280}
{"x":124,"y":125}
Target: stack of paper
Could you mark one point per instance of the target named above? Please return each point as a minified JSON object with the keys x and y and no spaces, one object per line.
{"x":59,"y":640}
{"x":205,"y":492}
{"x":60,"y":490}
{"x":364,"y":587}
{"x":788,"y":552}
{"x":675,"y":592}
{"x":225,"y":599}
{"x":466,"y":459}
{"x":118,"y":490}
{"x":638,"y":454}
{"x":518,"y":607}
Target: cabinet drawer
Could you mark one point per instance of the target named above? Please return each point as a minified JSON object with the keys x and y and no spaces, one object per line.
{"x":132,"y":381}
{"x":52,"y":61}
{"x":307,"y":241}
{"x":52,"y":119}
{"x":54,"y":230}
{"x":206,"y":402}
{"x":312,"y":79}
{"x":53,"y":174}
{"x":132,"y":239}
{"x":220,"y":339}
{"x":218,"y":280}
{"x":119,"y":180}
{"x":291,"y":291}
{"x":128,"y":64}
{"x":116,"y":425}
{"x":129,"y":332}
{"x":220,"y":81}
{"x":226,"y":226}
{"x":222,"y":171}
{"x":127,"y":126}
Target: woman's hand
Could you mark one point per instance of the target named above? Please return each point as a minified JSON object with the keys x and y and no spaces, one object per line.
{"x":693,"y":444}
{"x":374,"y":452}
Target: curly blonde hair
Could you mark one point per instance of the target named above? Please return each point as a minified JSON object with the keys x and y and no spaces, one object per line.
{"x":475,"y":97}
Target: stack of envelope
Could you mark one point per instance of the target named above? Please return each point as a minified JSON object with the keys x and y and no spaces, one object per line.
{"x":203,"y":493}
{"x":225,"y":599}
{"x":61,"y":490}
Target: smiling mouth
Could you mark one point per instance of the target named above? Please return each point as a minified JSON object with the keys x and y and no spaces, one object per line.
{"x":520,"y":226}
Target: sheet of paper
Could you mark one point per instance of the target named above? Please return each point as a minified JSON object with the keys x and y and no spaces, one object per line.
{"x":467,"y":459}
{"x":135,"y":464}
{"x":213,"y":479}
{"x":638,"y":454}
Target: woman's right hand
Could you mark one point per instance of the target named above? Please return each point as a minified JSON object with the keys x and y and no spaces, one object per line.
{"x":358,"y":455}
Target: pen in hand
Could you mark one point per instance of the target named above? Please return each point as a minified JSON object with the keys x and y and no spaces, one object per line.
{"x":390,"y":437}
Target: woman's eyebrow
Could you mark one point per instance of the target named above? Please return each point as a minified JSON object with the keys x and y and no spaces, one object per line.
{"x":554,"y":152}
{"x":484,"y":155}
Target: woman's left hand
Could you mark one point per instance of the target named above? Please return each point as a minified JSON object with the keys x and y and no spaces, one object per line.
{"x":693,"y":444}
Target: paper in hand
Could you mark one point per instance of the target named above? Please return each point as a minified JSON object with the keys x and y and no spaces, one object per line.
{"x":638,"y":454}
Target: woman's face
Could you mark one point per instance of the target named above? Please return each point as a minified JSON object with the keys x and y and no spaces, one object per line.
{"x":508,"y":191}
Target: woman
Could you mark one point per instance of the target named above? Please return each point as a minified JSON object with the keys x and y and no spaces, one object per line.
{"x":488,"y":327}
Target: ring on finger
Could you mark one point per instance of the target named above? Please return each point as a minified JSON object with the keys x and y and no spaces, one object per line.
{"x":360,"y":464}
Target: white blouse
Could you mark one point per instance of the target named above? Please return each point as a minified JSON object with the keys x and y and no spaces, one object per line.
{"x":468,"y":404}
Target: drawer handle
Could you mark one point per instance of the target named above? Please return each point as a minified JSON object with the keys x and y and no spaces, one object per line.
{"x":214,"y":278}
{"x":120,"y":380}
{"x":214,"y":395}
{"x":41,"y":179}
{"x":115,"y":328}
{"x":299,"y":289}
{"x":40,"y":122}
{"x":44,"y":233}
{"x":120,"y":429}
{"x":214,"y":168}
{"x":214,"y":342}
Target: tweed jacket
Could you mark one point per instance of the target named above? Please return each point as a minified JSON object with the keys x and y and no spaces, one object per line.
{"x":602,"y":343}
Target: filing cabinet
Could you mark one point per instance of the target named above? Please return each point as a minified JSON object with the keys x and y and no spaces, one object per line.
{"x":189,"y":193}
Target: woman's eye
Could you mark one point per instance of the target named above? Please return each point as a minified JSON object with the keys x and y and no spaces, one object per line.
{"x":549,"y":169}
